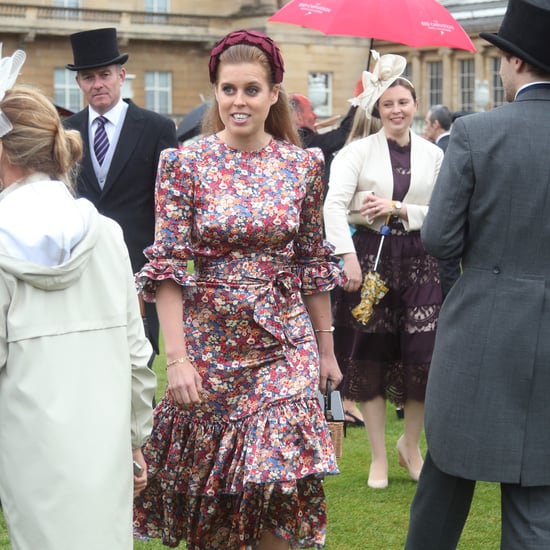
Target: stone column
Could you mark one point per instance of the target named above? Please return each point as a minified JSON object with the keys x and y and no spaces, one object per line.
{"x":448,"y":77}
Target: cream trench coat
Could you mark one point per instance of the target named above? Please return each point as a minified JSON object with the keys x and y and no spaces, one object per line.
{"x":75,"y":390}
{"x":364,"y":166}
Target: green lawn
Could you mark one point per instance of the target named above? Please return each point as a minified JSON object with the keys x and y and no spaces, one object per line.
{"x":365,"y":519}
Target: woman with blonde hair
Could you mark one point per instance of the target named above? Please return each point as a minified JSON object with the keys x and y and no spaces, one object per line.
{"x":75,"y":390}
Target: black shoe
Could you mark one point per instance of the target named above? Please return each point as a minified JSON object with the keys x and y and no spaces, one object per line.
{"x":355,"y":420}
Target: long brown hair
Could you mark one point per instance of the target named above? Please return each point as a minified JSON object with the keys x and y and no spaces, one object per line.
{"x":279,"y":122}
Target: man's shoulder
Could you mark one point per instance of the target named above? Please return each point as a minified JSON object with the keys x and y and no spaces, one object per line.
{"x":305,"y":133}
{"x":76,"y":120}
{"x":476,"y":122}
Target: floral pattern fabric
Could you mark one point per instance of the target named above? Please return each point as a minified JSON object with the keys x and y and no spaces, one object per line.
{"x":252,"y":455}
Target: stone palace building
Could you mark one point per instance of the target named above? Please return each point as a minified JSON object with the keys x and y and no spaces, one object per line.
{"x":169,"y":41}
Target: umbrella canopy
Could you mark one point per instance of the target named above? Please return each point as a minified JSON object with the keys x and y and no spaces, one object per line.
{"x":414,"y":23}
{"x":190,"y":125}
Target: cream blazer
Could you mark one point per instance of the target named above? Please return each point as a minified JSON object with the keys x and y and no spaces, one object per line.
{"x":364,"y":166}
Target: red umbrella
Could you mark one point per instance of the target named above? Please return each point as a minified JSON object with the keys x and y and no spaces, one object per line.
{"x":412,"y":22}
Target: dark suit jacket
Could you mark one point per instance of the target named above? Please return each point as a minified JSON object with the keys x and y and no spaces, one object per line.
{"x":329,"y":142}
{"x":487,"y":402}
{"x":128,"y":196}
{"x":443,"y":142}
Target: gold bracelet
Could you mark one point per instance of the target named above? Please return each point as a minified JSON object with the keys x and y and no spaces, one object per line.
{"x":331,"y":329}
{"x":175,"y":361}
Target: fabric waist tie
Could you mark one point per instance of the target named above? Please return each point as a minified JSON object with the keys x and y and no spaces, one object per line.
{"x":278,"y":289}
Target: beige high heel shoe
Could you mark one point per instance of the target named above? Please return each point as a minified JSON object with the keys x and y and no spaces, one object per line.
{"x":379,"y":483}
{"x":404,"y":460}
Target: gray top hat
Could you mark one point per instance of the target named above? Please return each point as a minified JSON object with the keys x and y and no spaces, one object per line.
{"x":95,"y":48}
{"x":524,"y":32}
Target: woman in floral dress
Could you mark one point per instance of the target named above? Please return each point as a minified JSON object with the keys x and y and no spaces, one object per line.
{"x":240,"y":445}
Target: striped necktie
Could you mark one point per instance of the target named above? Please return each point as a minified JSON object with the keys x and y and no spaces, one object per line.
{"x":101,"y":141}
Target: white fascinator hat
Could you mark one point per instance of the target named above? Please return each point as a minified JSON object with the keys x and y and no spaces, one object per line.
{"x":9,"y":70}
{"x":387,"y":69}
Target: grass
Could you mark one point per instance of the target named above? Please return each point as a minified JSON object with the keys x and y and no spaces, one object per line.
{"x":365,"y":519}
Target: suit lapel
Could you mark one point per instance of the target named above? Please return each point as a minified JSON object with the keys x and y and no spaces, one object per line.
{"x":87,"y":172}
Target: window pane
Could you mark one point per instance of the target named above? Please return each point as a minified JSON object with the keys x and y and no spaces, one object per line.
{"x":466,"y":85}
{"x":163,"y":80}
{"x":320,"y":93}
{"x":498,"y":90}
{"x":158,"y":91}
{"x":156,"y":7}
{"x":66,"y":91}
{"x":69,"y":13}
{"x":435,"y":82}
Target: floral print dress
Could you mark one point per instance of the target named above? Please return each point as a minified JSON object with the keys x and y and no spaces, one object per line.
{"x":250,"y":457}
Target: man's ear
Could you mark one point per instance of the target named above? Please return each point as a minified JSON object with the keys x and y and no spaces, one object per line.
{"x":520,"y":65}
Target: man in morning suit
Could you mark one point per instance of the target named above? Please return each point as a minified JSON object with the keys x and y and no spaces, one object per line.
{"x":122,"y":144}
{"x":488,"y":396}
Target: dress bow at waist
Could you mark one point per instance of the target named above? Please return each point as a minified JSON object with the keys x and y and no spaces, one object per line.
{"x":277,"y":300}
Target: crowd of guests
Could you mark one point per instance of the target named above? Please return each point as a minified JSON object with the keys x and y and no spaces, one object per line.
{"x":284,"y":252}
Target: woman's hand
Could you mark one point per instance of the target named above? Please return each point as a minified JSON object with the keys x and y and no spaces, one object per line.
{"x":184,"y":383}
{"x":375,"y":207}
{"x":352,"y":271}
{"x":329,"y":371}
{"x":140,"y":482}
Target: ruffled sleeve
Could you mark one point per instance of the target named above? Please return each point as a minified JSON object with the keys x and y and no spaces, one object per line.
{"x":169,"y":254}
{"x":317,"y":266}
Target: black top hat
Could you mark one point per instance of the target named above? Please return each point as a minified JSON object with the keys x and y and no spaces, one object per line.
{"x":524,"y":32}
{"x":95,"y":48}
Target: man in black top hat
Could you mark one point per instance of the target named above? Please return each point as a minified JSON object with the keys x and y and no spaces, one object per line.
{"x":122,"y":144}
{"x":487,"y":401}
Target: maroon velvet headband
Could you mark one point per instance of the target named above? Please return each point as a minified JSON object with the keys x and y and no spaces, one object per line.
{"x":252,"y":38}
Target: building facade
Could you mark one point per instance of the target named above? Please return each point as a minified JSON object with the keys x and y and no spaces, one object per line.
{"x":168,"y":42}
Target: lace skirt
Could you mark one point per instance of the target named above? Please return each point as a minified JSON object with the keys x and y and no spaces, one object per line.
{"x":390,"y":356}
